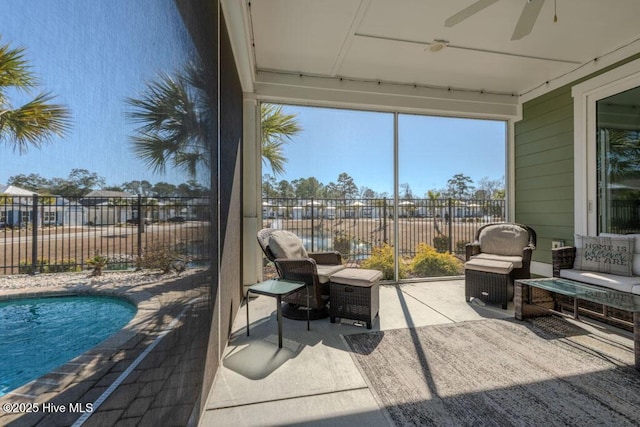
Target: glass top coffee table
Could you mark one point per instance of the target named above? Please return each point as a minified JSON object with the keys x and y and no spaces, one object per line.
{"x":277,"y":288}
{"x":534,"y":297}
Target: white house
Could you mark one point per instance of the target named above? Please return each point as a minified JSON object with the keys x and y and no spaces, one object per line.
{"x":15,"y":205}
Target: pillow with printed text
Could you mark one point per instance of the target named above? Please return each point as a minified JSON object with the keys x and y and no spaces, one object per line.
{"x":604,"y":254}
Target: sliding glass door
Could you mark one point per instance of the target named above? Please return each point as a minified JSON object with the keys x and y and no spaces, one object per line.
{"x":336,"y":181}
{"x":618,"y":162}
{"x":396,"y":192}
{"x":451,"y":181}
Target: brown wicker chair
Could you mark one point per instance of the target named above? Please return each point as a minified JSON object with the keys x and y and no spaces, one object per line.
{"x":312,"y":268}
{"x":500,"y":254}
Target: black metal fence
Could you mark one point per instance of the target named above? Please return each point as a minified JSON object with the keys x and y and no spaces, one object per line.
{"x":623,"y":216}
{"x":355,"y":226}
{"x":54,"y":234}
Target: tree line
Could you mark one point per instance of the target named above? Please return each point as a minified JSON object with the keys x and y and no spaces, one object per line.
{"x":459,"y":186}
{"x":80,"y":182}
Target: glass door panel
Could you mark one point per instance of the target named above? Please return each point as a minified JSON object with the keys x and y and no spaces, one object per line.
{"x":618,"y":162}
{"x":336,"y":184}
{"x":451,"y":182}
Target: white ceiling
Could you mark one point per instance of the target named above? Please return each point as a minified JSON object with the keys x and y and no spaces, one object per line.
{"x":388,"y":40}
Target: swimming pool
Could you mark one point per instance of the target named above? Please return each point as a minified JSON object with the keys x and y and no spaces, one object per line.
{"x":39,"y":334}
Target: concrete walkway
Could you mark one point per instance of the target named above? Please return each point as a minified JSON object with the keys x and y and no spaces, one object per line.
{"x":313,"y":380}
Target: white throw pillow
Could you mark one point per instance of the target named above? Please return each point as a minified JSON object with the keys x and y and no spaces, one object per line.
{"x":604,"y":254}
{"x":636,"y":249}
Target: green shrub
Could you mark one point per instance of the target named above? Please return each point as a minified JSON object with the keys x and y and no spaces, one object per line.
{"x":461,"y":246}
{"x":161,"y":257}
{"x":44,"y":266}
{"x":430,"y":263}
{"x":98,"y":262}
{"x":341,"y":242}
{"x":382,"y":259}
{"x":63,"y":266}
{"x":26,"y":267}
{"x":441,"y":243}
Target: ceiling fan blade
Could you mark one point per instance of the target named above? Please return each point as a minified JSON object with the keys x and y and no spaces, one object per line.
{"x":527,"y":19}
{"x":467,"y":12}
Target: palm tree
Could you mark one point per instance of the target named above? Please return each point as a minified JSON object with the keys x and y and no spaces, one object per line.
{"x":277,"y":128}
{"x":175,"y":122}
{"x":35,"y":122}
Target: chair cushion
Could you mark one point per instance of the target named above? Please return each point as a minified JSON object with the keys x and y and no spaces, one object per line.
{"x":611,"y":281}
{"x":604,"y":254}
{"x":516,"y":260}
{"x":489,"y":266}
{"x":503,"y":239}
{"x":326,"y":270}
{"x":357,"y":277}
{"x":285,"y":244}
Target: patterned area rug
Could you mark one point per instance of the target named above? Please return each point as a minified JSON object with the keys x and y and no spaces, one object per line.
{"x":546,"y":371}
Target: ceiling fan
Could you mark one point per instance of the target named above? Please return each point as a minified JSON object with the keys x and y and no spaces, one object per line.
{"x":525,"y":23}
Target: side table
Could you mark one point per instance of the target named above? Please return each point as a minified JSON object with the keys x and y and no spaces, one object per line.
{"x":276,"y":288}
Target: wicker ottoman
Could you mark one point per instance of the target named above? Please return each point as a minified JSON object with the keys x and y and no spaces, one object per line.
{"x":489,"y":281}
{"x":355,"y":294}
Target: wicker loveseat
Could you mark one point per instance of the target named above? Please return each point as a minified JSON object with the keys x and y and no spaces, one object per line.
{"x":500,"y":254}
{"x":293,"y":262}
{"x":593,"y":260}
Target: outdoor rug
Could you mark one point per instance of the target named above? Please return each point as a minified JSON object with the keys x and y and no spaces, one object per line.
{"x":545,"y":371}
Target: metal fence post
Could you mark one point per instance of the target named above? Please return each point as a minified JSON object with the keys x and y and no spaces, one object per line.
{"x":312,"y":225}
{"x":450,"y":224}
{"x":34,"y":236}
{"x":140,"y":227}
{"x":384,"y":220}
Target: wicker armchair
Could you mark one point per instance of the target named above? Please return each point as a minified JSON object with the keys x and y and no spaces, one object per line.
{"x":500,"y":254}
{"x":292,"y":262}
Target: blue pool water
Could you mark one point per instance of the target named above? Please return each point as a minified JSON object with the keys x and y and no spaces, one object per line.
{"x":40,"y":334}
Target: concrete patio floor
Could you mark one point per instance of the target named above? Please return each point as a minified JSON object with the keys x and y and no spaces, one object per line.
{"x":313,"y":380}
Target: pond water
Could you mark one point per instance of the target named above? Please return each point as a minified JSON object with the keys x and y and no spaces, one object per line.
{"x":357,"y":249}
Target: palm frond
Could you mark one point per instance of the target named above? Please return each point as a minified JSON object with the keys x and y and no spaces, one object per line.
{"x":273,"y":155}
{"x":277,"y":128}
{"x":275,"y":125}
{"x":154,"y":151}
{"x":14,"y":69}
{"x":173,"y":114}
{"x":34,"y":123}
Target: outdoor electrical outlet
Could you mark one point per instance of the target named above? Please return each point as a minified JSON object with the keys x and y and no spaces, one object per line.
{"x":557,"y":244}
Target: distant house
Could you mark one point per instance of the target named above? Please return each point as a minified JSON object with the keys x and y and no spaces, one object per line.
{"x":12,"y":190}
{"x":70,"y":213}
{"x":15,"y":206}
{"x":16,"y":209}
{"x":106,"y":207}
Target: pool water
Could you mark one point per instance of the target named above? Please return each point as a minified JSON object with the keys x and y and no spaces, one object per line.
{"x":40,"y":334}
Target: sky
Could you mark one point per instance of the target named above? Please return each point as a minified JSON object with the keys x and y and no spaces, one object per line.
{"x":92,"y":55}
{"x":431,"y":149}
